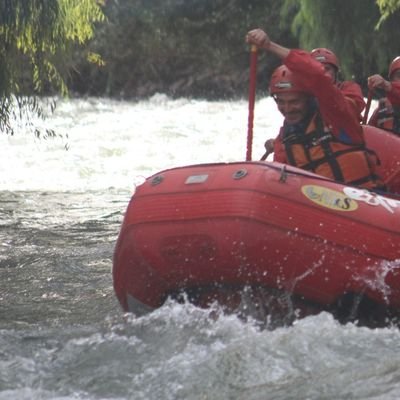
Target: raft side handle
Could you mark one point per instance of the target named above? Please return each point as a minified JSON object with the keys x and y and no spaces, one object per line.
{"x":284,"y":174}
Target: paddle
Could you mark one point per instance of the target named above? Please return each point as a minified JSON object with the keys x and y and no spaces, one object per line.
{"x":367,"y":107}
{"x":252,"y":98}
{"x":269,"y":148}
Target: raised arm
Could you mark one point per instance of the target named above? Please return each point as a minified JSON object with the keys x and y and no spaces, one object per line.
{"x":336,"y":111}
{"x":261,"y":39}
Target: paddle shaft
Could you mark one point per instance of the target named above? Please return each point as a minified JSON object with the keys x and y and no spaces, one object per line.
{"x":367,"y":107}
{"x":252,"y":98}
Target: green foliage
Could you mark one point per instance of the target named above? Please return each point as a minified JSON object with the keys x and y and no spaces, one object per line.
{"x":36,"y":37}
{"x":178,"y":47}
{"x":355,"y":30}
{"x":388,"y":7}
{"x":196,"y":47}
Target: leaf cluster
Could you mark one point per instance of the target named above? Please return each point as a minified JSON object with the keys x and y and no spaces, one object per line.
{"x":361,"y":33}
{"x":36,"y":37}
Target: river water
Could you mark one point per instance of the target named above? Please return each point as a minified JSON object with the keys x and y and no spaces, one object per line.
{"x":63,"y":334}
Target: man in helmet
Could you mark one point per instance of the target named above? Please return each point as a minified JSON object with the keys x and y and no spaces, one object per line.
{"x":321,"y":132}
{"x":351,"y":90}
{"x":387,"y":114}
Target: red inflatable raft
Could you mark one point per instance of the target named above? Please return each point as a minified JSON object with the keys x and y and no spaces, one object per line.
{"x":223,"y":227}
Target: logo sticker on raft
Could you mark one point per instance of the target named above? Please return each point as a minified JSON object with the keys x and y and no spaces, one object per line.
{"x":329,"y":198}
{"x":372,"y":199}
{"x":349,"y":199}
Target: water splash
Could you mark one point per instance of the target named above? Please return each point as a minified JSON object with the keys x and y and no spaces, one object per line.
{"x":375,"y":276}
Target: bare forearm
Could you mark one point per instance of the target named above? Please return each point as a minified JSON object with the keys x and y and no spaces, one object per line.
{"x":261,"y":39}
{"x":279,"y":50}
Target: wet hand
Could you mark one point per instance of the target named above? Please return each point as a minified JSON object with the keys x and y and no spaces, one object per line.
{"x":378,"y":82}
{"x":259,"y":38}
{"x":269,"y":146}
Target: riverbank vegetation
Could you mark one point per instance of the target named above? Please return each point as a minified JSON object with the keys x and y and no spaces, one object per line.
{"x":130,"y":49}
{"x":37,"y":39}
{"x":196,"y":48}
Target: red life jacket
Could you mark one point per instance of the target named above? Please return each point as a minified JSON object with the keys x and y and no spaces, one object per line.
{"x":316,"y":149}
{"x":388,"y":117}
